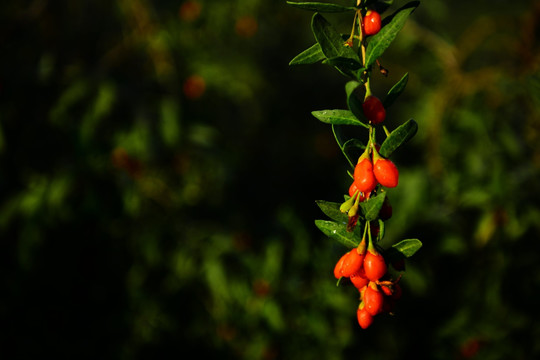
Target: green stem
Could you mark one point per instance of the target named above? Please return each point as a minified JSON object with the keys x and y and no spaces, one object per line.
{"x":341,"y":147}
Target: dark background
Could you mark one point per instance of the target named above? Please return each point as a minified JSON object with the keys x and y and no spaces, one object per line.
{"x":159,"y":168}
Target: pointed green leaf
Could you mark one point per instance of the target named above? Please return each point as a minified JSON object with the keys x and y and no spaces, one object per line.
{"x":382,"y":40}
{"x":354,"y":89}
{"x":344,"y":63}
{"x":322,"y":7}
{"x":332,"y":43}
{"x":395,"y":91}
{"x":338,"y":232}
{"x":372,"y":207}
{"x":407,"y":247}
{"x":331,"y":209}
{"x":398,"y":137}
{"x":337,"y":117}
{"x":309,"y":56}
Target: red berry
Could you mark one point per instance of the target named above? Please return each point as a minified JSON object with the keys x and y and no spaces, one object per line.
{"x":363,"y":176}
{"x":386,"y":290}
{"x":359,"y":279}
{"x":386,"y":173}
{"x":339,"y":266}
{"x":373,"y":299}
{"x":372,"y":22}
{"x":374,"y":110}
{"x":374,"y":266}
{"x":352,"y":263}
{"x":364,"y":318}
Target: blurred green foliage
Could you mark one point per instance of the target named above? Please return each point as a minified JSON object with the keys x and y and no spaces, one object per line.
{"x":160,"y":168}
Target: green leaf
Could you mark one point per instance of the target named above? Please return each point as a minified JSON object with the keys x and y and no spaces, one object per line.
{"x":372,"y":207}
{"x":402,"y":250}
{"x":407,"y":247}
{"x":337,"y":117}
{"x":332,"y":44}
{"x":321,"y":7}
{"x":344,"y":63}
{"x":398,"y":137}
{"x":331,"y":209}
{"x":338,"y":232}
{"x":353,"y":100}
{"x":395,"y":91}
{"x":309,"y":56}
{"x":382,"y":40}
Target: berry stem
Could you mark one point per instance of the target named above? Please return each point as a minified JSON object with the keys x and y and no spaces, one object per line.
{"x":386,"y":131}
{"x":341,"y":147}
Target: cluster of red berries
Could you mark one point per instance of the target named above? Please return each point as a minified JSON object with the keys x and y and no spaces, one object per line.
{"x":371,"y":170}
{"x":367,"y":269}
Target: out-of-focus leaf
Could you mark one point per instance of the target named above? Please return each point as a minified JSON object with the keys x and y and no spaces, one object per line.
{"x":398,"y":137}
{"x":395,"y":91}
{"x":322,"y":7}
{"x":382,"y":40}
{"x":337,"y":117}
{"x":309,"y":56}
{"x":338,"y":232}
{"x":407,"y":247}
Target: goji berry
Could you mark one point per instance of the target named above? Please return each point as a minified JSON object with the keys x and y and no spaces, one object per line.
{"x":374,"y":266}
{"x":352,"y":263}
{"x":364,"y":318}
{"x":364,"y":177}
{"x":374,"y":110}
{"x":373,"y":299}
{"x":372,"y":22}
{"x":386,"y":172}
{"x":359,"y":279}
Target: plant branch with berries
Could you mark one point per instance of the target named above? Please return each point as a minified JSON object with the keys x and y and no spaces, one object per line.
{"x":359,"y":221}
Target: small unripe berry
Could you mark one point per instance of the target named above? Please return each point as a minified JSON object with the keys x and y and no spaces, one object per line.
{"x":386,"y":173}
{"x":374,"y":266}
{"x":374,"y":110}
{"x":364,"y":318}
{"x":372,"y":22}
{"x":363,"y":176}
{"x":374,"y":299}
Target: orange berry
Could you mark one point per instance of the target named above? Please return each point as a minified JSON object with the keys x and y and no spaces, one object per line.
{"x":364,"y":318}
{"x":339,"y":266}
{"x":374,"y":266}
{"x":386,"y":173}
{"x":364,"y":177}
{"x":352,"y":263}
{"x":374,"y":299}
{"x":359,"y":279}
